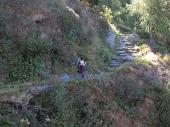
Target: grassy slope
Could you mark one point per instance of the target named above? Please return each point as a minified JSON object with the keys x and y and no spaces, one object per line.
{"x":44,"y":38}
{"x":126,"y":99}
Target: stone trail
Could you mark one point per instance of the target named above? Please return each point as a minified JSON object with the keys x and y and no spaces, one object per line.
{"x":124,"y":52}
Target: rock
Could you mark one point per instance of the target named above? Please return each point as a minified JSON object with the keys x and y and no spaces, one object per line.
{"x":115,"y":63}
{"x":129,"y":58}
{"x":65,"y":78}
{"x":120,"y":52}
{"x":124,"y":51}
{"x":128,"y":47}
{"x":133,"y":38}
{"x":44,"y":75}
{"x":111,"y":39}
{"x":121,"y":48}
{"x":128,"y":44}
{"x":117,"y":58}
{"x":149,"y":76}
{"x":44,"y":36}
{"x":38,"y":17}
{"x":131,"y":51}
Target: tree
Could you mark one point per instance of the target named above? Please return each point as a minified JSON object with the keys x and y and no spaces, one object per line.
{"x":153,"y":16}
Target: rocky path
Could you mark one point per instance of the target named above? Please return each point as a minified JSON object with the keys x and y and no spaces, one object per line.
{"x":125,"y":52}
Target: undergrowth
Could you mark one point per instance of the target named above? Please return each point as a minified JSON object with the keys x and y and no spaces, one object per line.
{"x":31,"y":50}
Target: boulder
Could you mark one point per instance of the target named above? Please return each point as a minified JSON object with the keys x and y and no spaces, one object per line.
{"x":133,"y":38}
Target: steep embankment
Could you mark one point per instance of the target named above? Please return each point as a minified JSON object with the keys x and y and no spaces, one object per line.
{"x":39,"y":37}
{"x":48,"y":33}
{"x":129,"y":96}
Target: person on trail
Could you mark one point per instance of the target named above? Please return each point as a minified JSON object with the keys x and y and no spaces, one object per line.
{"x":81,"y":67}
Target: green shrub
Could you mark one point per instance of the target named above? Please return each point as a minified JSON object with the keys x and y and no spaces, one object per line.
{"x":107,"y":13}
{"x":70,"y":107}
{"x":128,"y":93}
{"x":144,"y":35}
{"x":5,"y":121}
{"x":161,"y":49}
{"x":144,"y":48}
{"x":105,"y":55}
{"x":36,"y":47}
{"x":102,"y":27}
{"x":123,"y":28}
{"x":22,"y":68}
{"x":66,"y":114}
{"x":162,"y":102}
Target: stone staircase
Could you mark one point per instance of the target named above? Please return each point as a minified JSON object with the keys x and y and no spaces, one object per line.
{"x":125,"y":52}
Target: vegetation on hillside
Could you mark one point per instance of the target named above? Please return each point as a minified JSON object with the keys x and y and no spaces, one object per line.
{"x":36,"y":44}
{"x":149,"y":16}
{"x":41,"y":39}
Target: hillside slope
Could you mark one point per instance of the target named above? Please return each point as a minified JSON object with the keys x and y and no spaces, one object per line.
{"x":124,"y":86}
{"x":41,"y":35}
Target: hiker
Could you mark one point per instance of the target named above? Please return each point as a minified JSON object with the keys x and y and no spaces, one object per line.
{"x":81,"y":67}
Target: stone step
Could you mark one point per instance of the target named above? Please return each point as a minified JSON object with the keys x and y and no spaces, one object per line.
{"x":115,"y":63}
{"x":120,"y":52}
{"x":131,"y":51}
{"x":121,"y":42}
{"x":121,"y":48}
{"x":128,"y":44}
{"x":118,"y":58}
{"x":121,"y":45}
{"x":123,"y":54}
{"x":129,"y":58}
{"x":130,"y":47}
{"x":124,"y":40}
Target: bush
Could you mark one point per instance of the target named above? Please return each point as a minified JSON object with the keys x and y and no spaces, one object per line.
{"x":123,"y":28}
{"x":102,"y":27}
{"x":70,"y":106}
{"x":5,"y":121}
{"x":105,"y":55}
{"x":22,"y":68}
{"x":144,"y":48}
{"x":144,"y":35}
{"x":66,"y":114}
{"x":35,"y":47}
{"x":128,"y":93}
{"x":161,"y":49}
{"x":162,"y":101}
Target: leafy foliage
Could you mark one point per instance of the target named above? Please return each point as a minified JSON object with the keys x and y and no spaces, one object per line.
{"x":129,"y":93}
{"x":162,"y":100}
{"x":71,"y":106}
{"x":21,"y":68}
{"x":161,"y":49}
{"x":5,"y":121}
{"x":59,"y":37}
{"x":107,"y":13}
{"x":105,"y":55}
{"x":152,"y":16}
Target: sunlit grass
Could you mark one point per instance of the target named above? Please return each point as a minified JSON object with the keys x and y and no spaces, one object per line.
{"x":144,"y":48}
{"x":114,"y":28}
{"x":136,"y":62}
{"x":166,"y":58}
